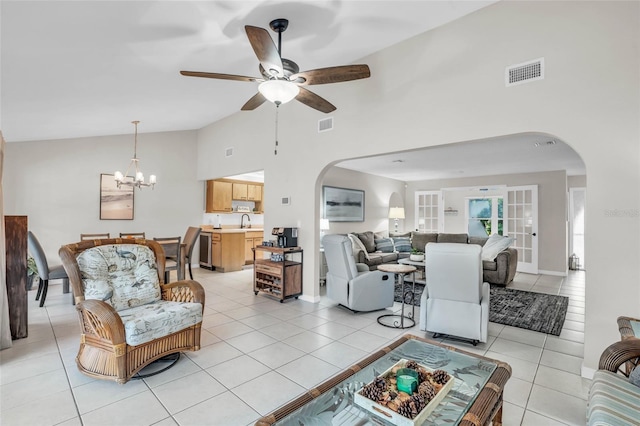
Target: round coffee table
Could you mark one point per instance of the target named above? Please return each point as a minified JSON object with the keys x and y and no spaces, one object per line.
{"x":399,"y":271}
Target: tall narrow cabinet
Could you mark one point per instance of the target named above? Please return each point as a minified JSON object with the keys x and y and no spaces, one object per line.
{"x":277,"y":271}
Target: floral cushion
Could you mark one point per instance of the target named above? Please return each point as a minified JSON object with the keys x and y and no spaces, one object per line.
{"x":148,"y":322}
{"x":123,"y":275}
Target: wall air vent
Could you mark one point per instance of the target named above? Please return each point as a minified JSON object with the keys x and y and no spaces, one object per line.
{"x":524,"y":73}
{"x":325,"y":124}
{"x":228,"y":152}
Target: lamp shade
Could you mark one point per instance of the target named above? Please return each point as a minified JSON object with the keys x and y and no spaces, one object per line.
{"x":324,"y":224}
{"x":278,"y":91}
{"x":396,"y":213}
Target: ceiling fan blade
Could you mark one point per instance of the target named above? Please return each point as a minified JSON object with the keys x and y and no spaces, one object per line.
{"x":253,"y":103}
{"x":265,"y":50}
{"x":220,"y":76}
{"x":331,"y":75}
{"x":309,"y":98}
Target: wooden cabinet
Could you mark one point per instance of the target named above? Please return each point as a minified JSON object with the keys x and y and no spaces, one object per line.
{"x":240,"y":191}
{"x":254,"y":192}
{"x":219,"y":195}
{"x":252,"y":239}
{"x":216,"y":250}
{"x":277,"y":272}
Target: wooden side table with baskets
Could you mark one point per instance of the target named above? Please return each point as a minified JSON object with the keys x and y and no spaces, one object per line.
{"x":277,"y":274}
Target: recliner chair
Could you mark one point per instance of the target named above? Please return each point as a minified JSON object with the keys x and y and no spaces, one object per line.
{"x":353,"y":285}
{"x":455,"y":301}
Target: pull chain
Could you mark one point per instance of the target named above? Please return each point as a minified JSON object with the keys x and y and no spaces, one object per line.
{"x":275,"y":151}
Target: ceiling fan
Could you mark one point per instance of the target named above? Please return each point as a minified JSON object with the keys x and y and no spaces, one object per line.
{"x":281,"y":79}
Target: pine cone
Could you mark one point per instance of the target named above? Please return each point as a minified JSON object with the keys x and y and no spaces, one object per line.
{"x":420,"y":402}
{"x":379,"y":383}
{"x":441,"y":376}
{"x":423,"y":375}
{"x":411,"y":364}
{"x":407,"y":409}
{"x":372,"y":392}
{"x":427,"y":391}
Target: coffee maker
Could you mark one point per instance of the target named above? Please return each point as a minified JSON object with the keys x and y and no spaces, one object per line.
{"x":287,"y":237}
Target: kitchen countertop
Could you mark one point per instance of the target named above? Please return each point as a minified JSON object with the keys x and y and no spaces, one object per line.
{"x":230,"y":230}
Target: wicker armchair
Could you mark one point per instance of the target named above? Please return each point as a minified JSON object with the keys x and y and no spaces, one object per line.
{"x":127,"y":316}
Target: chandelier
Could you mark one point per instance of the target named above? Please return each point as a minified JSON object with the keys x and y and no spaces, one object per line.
{"x":138,"y":179}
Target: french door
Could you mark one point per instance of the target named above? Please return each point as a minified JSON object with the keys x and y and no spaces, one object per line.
{"x":429,"y":214}
{"x":522,"y":224}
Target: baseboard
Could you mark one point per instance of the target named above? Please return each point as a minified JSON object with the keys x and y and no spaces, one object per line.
{"x":310,"y":299}
{"x":554,"y":273}
{"x":587,"y":372}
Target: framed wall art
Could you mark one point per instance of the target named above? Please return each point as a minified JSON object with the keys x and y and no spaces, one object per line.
{"x":342,"y":204}
{"x":115,"y":203}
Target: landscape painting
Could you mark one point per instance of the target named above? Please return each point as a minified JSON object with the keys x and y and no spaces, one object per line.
{"x":115,"y":204}
{"x":342,"y":204}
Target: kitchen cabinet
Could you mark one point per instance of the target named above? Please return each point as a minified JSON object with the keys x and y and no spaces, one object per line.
{"x":219,"y":194}
{"x":254,"y":192}
{"x":240,"y":191}
{"x":252,"y":239}
{"x":216,"y":250}
{"x":277,"y":273}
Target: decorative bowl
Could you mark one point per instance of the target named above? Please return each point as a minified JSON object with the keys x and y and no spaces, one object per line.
{"x":416,"y":257}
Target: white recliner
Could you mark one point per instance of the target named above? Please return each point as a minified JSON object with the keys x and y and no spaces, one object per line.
{"x":351,"y":284}
{"x":455,"y":301}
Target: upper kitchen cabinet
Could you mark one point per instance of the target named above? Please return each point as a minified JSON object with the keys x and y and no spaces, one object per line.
{"x":219,"y":195}
{"x":222,"y":193}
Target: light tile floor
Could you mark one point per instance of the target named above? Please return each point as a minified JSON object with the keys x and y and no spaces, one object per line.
{"x":258,"y":354}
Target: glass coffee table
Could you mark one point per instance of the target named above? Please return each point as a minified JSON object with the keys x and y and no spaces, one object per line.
{"x":475,"y":398}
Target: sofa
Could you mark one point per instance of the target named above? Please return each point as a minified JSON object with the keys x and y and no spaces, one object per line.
{"x":614,"y":397}
{"x":374,"y":249}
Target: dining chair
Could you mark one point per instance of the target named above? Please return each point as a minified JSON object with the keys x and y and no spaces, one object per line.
{"x":172,"y":249}
{"x":189,"y":241}
{"x":132,"y":235}
{"x":45,"y":272}
{"x":84,"y":237}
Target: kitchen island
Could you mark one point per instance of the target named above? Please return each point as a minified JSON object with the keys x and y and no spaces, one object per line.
{"x":231,"y":248}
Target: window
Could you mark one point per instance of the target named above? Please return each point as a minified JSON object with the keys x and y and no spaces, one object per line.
{"x":485,"y":216}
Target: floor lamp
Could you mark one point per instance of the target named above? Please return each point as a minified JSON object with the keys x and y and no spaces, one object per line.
{"x":396,"y":213}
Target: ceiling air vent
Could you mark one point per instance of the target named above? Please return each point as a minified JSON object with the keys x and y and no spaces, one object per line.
{"x":325,"y":124}
{"x":524,"y":73}
{"x":228,"y":152}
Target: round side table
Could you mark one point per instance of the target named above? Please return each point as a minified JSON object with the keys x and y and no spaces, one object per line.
{"x":398,"y":320}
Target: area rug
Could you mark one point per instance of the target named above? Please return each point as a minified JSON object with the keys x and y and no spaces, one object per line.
{"x":523,"y":309}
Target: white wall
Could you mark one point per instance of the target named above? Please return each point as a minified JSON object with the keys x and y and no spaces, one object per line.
{"x":57,"y":185}
{"x":447,"y":86}
{"x":552,"y":210}
{"x":377,"y":193}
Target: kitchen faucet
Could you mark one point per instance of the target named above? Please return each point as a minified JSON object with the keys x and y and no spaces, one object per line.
{"x":242,"y":221}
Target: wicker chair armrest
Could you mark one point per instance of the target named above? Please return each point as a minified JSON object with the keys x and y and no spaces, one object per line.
{"x":183,"y":291}
{"x":98,"y":318}
{"x":619,"y":353}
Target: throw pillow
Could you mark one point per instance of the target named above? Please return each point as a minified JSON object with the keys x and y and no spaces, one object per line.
{"x":402,"y":244}
{"x":634,"y":377}
{"x":357,"y":246}
{"x":494,"y":245}
{"x":385,"y":245}
{"x":368,"y":240}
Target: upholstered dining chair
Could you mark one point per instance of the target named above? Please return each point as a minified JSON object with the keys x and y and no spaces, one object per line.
{"x":128,"y":317}
{"x":172,"y":255}
{"x":455,"y":301}
{"x":85,"y":237}
{"x":132,"y":235}
{"x":45,"y":272}
{"x":189,"y":241}
{"x":351,"y":284}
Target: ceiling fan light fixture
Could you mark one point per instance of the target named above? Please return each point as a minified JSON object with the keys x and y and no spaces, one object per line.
{"x":278,"y":91}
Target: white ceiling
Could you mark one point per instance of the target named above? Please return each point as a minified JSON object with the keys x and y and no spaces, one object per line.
{"x":88,"y":68}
